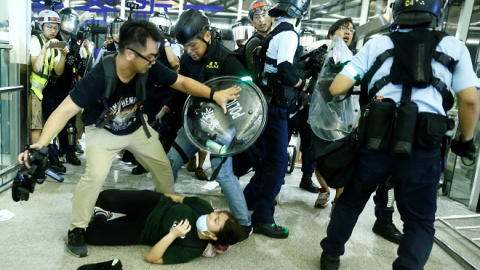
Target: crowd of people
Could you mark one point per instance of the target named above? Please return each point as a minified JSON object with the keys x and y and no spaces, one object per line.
{"x":130,"y":98}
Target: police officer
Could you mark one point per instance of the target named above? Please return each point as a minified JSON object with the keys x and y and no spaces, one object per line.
{"x":266,"y":183}
{"x":205,"y":59}
{"x":415,"y":176}
{"x":111,"y":47}
{"x":61,"y":84}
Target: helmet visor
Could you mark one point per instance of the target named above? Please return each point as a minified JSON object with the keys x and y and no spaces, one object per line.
{"x":241,"y":32}
{"x":163,"y":24}
{"x":69,"y":24}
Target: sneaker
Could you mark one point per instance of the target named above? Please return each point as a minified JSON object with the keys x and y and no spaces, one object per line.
{"x":76,"y":242}
{"x":329,"y":262}
{"x":331,"y":210}
{"x":72,"y":159}
{"x":100,"y":213}
{"x":192,"y":164}
{"x":78,"y":148}
{"x":322,"y":199}
{"x":200,"y":174}
{"x":271,"y":230}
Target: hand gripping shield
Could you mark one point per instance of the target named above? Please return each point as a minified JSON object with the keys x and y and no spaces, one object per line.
{"x":208,"y":128}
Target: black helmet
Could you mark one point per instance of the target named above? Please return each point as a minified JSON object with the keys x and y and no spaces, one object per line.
{"x":262,"y":5}
{"x":161,"y":20}
{"x":242,"y":29}
{"x":190,"y":25}
{"x":217,"y":33}
{"x":293,"y":8}
{"x":417,"y":13}
{"x":307,"y":36}
{"x":69,"y":21}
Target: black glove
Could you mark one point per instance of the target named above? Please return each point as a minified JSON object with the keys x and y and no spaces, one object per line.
{"x":464,"y":149}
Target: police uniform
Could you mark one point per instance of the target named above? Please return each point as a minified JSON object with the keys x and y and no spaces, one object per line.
{"x":415,"y":177}
{"x":266,"y":183}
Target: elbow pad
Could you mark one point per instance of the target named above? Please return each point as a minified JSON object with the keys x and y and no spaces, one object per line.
{"x":285,"y":74}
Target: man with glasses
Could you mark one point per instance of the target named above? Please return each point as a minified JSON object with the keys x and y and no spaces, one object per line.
{"x":45,"y":59}
{"x":138,"y":49}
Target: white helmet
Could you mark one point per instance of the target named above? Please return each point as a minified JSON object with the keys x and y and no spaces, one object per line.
{"x":48,"y":16}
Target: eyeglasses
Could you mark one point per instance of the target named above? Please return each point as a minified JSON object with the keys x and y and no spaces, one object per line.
{"x":344,"y":28}
{"x":143,"y":57}
{"x":54,"y":28}
{"x":263,"y":14}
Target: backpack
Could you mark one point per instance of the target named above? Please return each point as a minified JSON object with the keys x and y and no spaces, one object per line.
{"x":141,"y":93}
{"x":405,"y":70}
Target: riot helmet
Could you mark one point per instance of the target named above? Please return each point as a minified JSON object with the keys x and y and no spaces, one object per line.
{"x":417,"y":13}
{"x":69,"y":21}
{"x":242,"y":29}
{"x":292,"y":8}
{"x":161,"y":20}
{"x":190,"y":25}
{"x":307,"y":36}
{"x":115,"y":28}
{"x":259,"y":5}
{"x":217,"y":33}
{"x":48,"y":16}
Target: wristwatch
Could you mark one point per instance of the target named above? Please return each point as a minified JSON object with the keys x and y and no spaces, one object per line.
{"x":166,"y":43}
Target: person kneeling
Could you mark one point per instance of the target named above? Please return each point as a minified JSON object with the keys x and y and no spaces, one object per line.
{"x":179,"y":228}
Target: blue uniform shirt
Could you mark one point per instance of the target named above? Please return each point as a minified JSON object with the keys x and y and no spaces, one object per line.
{"x":427,"y":99}
{"x":282,"y":47}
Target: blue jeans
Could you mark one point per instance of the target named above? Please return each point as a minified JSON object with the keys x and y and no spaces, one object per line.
{"x":415,"y":182}
{"x":232,"y":190}
{"x":266,"y":183}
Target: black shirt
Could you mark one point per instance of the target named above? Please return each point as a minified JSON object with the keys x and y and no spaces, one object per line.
{"x":89,"y":91}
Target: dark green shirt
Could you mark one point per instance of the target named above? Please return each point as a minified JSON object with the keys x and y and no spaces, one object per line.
{"x":162,"y":219}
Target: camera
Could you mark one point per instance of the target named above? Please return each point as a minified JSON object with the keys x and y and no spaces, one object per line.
{"x":26,"y":179}
{"x":132,"y":5}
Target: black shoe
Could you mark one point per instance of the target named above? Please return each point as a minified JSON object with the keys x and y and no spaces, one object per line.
{"x":72,"y":159}
{"x":56,"y":165}
{"x":138,"y":170}
{"x":307,"y":184}
{"x":385,"y":228}
{"x":329,"y":262}
{"x":271,"y":230}
{"x":76,"y":242}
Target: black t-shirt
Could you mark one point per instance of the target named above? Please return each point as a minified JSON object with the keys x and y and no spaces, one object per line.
{"x":88,"y":93}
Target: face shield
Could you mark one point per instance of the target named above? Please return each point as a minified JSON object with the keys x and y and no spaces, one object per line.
{"x":242,"y":32}
{"x":115,"y":28}
{"x":69,"y":24}
{"x":162,"y":23}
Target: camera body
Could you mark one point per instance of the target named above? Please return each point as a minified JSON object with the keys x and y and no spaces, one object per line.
{"x":132,"y":5}
{"x":24,"y":182}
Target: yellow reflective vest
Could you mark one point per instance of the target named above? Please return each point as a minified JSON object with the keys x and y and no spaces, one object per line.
{"x":39,"y":80}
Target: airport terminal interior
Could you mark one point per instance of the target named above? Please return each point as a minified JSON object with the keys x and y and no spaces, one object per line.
{"x":32,"y":232}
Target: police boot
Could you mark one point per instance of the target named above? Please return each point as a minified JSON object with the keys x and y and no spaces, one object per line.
{"x":307,"y":184}
{"x":385,"y":228}
{"x":56,"y":165}
{"x":72,"y":159}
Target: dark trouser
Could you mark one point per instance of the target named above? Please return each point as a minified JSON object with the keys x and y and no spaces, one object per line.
{"x":266,"y":183}
{"x":415,"y":181}
{"x":299,"y":122}
{"x":49,"y":104}
{"x":126,"y":230}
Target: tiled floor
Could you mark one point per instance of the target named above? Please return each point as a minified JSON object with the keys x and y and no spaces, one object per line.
{"x":34,"y":237}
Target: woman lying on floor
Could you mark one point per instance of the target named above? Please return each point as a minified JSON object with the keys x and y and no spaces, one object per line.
{"x":179,"y":228}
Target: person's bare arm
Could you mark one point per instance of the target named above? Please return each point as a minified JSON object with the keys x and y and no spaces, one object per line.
{"x":175,"y":197}
{"x":156,"y":253}
{"x":340,"y":85}
{"x":468,"y":111}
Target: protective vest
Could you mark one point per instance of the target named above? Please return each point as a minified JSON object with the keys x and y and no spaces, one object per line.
{"x":412,"y":53}
{"x":39,"y":80}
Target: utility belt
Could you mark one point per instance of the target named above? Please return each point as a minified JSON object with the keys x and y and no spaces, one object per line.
{"x":281,"y":95}
{"x":386,"y":128}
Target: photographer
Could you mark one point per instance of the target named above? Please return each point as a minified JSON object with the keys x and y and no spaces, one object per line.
{"x":46,"y":59}
{"x":116,"y":122}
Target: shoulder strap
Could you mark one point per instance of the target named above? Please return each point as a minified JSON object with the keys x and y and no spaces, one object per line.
{"x":364,"y":96}
{"x":111,"y":75}
{"x":141,"y":95}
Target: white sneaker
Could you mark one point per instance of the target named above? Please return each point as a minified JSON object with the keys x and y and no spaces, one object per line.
{"x":322,"y":199}
{"x":99,"y":211}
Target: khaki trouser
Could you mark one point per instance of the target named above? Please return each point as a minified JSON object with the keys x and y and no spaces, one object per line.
{"x":101,"y":148}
